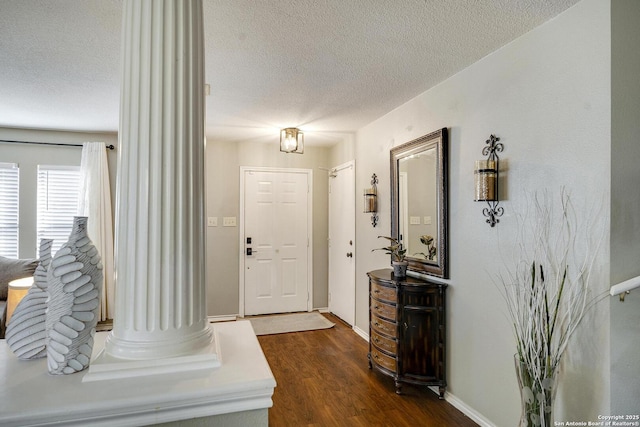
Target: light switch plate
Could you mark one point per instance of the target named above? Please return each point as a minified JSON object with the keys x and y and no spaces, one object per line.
{"x":427,"y":220}
{"x":229,"y":221}
{"x":414,"y":220}
{"x":212,"y":221}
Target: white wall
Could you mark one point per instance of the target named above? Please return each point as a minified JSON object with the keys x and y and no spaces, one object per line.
{"x":29,"y":156}
{"x":223,"y":161}
{"x":343,"y":152}
{"x":547,"y":96}
{"x":625,"y":203}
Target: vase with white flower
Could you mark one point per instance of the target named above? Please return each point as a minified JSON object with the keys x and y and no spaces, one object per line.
{"x":548,"y":294}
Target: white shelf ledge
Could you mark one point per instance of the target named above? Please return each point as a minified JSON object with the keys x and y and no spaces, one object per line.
{"x":29,"y":396}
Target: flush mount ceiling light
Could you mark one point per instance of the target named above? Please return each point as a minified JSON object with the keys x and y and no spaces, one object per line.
{"x":292,"y":140}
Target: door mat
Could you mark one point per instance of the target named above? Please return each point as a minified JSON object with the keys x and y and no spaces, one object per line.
{"x":285,"y":323}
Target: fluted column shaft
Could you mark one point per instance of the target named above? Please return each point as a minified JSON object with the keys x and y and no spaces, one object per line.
{"x":160,"y":282}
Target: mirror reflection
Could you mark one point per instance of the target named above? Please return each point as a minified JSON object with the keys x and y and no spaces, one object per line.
{"x":419,"y":202}
{"x":418,"y":214}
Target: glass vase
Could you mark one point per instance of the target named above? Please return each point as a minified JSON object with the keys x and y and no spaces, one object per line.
{"x":537,"y":393}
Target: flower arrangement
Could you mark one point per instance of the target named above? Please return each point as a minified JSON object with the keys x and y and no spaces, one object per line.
{"x":547,"y":297}
{"x":397,"y":253}
{"x":427,"y":240}
{"x":394,"y":249}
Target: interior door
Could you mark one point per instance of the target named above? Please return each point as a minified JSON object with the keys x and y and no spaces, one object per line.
{"x":342,"y":264}
{"x":276,"y":242}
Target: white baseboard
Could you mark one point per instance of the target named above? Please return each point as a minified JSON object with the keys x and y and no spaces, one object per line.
{"x":227,"y":318}
{"x":322,"y":309}
{"x":465,"y":409}
{"x":363,"y":334}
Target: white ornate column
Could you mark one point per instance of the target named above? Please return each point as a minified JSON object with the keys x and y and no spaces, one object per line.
{"x":160,"y":270}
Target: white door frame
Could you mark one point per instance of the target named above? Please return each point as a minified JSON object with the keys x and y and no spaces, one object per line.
{"x":241,"y":237}
{"x":403,"y":203}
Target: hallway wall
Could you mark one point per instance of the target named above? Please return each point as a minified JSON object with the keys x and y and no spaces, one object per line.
{"x":625,"y":203}
{"x":547,"y":96}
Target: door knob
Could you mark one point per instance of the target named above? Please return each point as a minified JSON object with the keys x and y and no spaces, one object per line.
{"x":349,"y":254}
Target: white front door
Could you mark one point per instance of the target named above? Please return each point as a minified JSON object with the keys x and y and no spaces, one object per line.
{"x":276,"y":241}
{"x":342,"y":263}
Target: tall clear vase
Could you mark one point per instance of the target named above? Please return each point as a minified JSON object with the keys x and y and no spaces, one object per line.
{"x":537,"y":393}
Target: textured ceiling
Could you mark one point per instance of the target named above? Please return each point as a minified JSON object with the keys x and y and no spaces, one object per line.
{"x":327,"y":66}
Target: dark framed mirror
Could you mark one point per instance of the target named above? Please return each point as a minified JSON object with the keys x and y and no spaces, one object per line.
{"x":419,"y":202}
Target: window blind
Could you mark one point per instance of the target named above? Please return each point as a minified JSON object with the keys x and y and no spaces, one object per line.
{"x":58,"y":188}
{"x":9,"y":186}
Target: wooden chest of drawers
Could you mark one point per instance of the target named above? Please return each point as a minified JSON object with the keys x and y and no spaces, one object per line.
{"x":407,"y":329}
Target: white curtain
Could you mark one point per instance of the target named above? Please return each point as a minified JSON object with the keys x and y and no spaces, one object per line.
{"x":94,"y":202}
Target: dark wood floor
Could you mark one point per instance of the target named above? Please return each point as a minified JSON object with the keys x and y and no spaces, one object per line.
{"x":324,"y":380}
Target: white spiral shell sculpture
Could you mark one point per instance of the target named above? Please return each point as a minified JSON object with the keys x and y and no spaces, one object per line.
{"x":26,"y":332}
{"x":75,"y":285}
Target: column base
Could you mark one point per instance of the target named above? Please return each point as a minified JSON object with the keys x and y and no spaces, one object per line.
{"x":153,"y":345}
{"x":107,"y":367}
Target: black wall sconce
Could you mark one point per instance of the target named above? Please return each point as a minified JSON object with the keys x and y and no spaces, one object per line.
{"x":371,"y":200}
{"x":486,"y":176}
